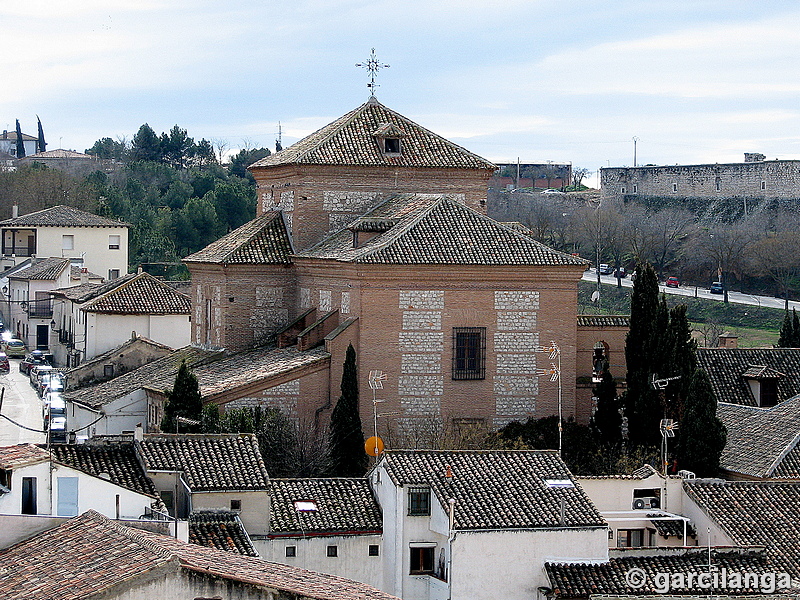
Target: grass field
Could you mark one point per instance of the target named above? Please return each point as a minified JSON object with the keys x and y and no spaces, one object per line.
{"x":756,"y":326}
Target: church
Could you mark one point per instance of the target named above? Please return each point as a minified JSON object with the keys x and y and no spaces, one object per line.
{"x":372,"y":231}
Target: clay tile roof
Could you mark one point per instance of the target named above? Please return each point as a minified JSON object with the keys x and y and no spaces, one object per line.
{"x":671,"y":527}
{"x":245,"y":368}
{"x":141,"y":294}
{"x":20,"y":455}
{"x":220,"y":529}
{"x":438,"y":229}
{"x":87,"y":291}
{"x":726,"y":368}
{"x":343,"y":505}
{"x":582,"y":580}
{"x":209,"y":462}
{"x":47,"y":269}
{"x":604,"y":321}
{"x":75,"y":273}
{"x":157,"y":375}
{"x":755,"y":513}
{"x":264,"y":240}
{"x":351,"y":140}
{"x":59,"y":153}
{"x":642,"y":472}
{"x":61,"y":216}
{"x":117,"y":461}
{"x":759,"y":439}
{"x":90,"y":555}
{"x":496,"y":489}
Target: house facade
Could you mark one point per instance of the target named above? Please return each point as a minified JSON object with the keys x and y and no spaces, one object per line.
{"x":96,"y":243}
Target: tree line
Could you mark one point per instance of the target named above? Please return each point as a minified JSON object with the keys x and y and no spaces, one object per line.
{"x":754,"y":254}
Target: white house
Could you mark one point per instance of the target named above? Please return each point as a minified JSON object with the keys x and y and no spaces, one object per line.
{"x":480,"y":524}
{"x":98,"y":243}
{"x":8,"y":143}
{"x":93,"y":319}
{"x":71,"y":479}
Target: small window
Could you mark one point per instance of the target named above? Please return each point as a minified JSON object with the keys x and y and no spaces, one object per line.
{"x":113,"y":242}
{"x":333,"y":551}
{"x":768,"y":392}
{"x":469,"y":353}
{"x":763,"y":185}
{"x":291,"y":551}
{"x":630,"y":538}
{"x":623,"y":190}
{"x":108,"y":371}
{"x":305,"y":505}
{"x":113,"y":274}
{"x":635,"y":188}
{"x":67,"y":242}
{"x":719,"y":185}
{"x":374,"y":550}
{"x":419,"y":502}
{"x":391,"y":145}
{"x":422,"y":560}
{"x":674,"y":187}
{"x":236,"y":505}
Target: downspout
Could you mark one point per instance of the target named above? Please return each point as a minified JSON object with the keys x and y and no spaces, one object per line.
{"x":450,"y":537}
{"x":398,"y":541}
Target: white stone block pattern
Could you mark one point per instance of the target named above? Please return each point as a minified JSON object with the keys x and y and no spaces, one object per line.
{"x":516,"y":320}
{"x":420,"y":385}
{"x":523,"y":341}
{"x":519,"y":300}
{"x":422,"y":319}
{"x":421,"y":341}
{"x":325,"y":300}
{"x":422,"y":300}
{"x":344,"y":307}
{"x":421,"y":363}
{"x":516,"y":364}
{"x":516,"y":385}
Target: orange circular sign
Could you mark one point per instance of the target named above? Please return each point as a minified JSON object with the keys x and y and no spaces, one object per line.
{"x":373,"y":446}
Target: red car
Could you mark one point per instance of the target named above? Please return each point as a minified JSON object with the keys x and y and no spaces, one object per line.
{"x":673,"y":282}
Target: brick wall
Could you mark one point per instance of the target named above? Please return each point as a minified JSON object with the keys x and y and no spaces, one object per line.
{"x":614,"y":339}
{"x":320,"y":198}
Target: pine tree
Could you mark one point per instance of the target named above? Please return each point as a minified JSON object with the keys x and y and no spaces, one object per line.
{"x":346,"y":443}
{"x":786,"y":337}
{"x":607,"y":420}
{"x":184,"y":400}
{"x":703,"y":435}
{"x":642,"y":404}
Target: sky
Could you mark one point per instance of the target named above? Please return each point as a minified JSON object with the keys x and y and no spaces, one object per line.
{"x":695,"y":81}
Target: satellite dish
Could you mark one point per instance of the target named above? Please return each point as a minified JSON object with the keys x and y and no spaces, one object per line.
{"x":373,"y":446}
{"x":595,"y":296}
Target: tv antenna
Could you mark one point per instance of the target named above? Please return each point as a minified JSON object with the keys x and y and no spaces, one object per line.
{"x":374,"y":445}
{"x":373,"y":65}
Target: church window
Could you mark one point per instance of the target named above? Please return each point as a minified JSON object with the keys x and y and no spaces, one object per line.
{"x":469,"y":353}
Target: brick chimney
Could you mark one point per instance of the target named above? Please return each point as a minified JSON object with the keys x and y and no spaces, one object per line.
{"x":728,"y":340}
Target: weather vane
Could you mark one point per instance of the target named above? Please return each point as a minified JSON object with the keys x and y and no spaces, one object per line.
{"x":373,"y":65}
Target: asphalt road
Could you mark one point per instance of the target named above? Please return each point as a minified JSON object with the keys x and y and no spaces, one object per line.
{"x":737,"y":297}
{"x":22,"y":404}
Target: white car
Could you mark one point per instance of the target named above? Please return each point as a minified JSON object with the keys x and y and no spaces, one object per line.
{"x":552,"y":191}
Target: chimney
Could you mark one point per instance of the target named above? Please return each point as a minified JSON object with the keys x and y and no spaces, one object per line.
{"x":138,"y":433}
{"x":728,"y":340}
{"x":448,"y":472}
{"x":84,"y":275}
{"x":15,"y":211}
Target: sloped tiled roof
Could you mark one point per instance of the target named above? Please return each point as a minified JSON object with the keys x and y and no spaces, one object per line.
{"x":726,"y":368}
{"x":220,"y":529}
{"x":262,"y":241}
{"x":245,"y":368}
{"x":87,"y":291}
{"x":47,"y":269}
{"x":755,"y":513}
{"x":61,"y":216}
{"x":209,"y":462}
{"x":497,"y":489}
{"x":142,"y":294}
{"x":75,"y":274}
{"x":90,"y":555}
{"x":352,"y":140}
{"x":759,"y":438}
{"x":59,"y":153}
{"x":789,"y":466}
{"x":581,"y":580}
{"x":604,"y":321}
{"x":343,"y":505}
{"x":19,"y":455}
{"x":437,"y":229}
{"x":117,"y":461}
{"x":642,"y":472}
{"x":157,"y":375}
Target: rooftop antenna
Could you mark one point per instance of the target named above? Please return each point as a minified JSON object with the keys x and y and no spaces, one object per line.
{"x":373,"y":65}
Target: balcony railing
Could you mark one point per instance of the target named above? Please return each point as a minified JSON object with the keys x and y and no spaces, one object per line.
{"x":40,"y":309}
{"x":19,"y":251}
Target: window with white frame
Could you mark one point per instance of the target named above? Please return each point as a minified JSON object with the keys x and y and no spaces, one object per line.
{"x":113,"y":242}
{"x":68,"y":242}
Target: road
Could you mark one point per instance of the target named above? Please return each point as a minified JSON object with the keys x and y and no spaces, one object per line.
{"x":737,"y":297}
{"x":22,"y":404}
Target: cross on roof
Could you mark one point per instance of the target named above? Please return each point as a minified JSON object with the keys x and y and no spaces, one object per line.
{"x":373,"y":65}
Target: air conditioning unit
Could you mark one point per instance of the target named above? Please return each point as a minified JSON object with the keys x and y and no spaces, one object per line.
{"x":684,"y":474}
{"x":649,"y":502}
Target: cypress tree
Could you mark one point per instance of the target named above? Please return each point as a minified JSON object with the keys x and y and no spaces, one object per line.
{"x":20,"y":142}
{"x":703,"y":435}
{"x":682,"y":360}
{"x":795,"y":330}
{"x":346,"y":445}
{"x":607,"y":421}
{"x":41,"y":145}
{"x":183,"y":400}
{"x":642,"y":404}
{"x":786,"y":337}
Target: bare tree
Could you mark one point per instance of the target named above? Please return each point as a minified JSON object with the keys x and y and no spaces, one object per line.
{"x":578,"y":175}
{"x":725,"y":248}
{"x":775,"y":255}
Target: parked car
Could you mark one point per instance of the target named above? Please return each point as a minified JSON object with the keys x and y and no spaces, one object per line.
{"x":49,"y":381}
{"x":673,"y":282}
{"x":36,"y":372}
{"x":54,"y":406}
{"x":5,"y":366}
{"x":13,"y":347}
{"x":716,"y":288}
{"x":552,"y":191}
{"x":606,"y":269}
{"x":35,"y":358}
{"x":58,"y":430}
